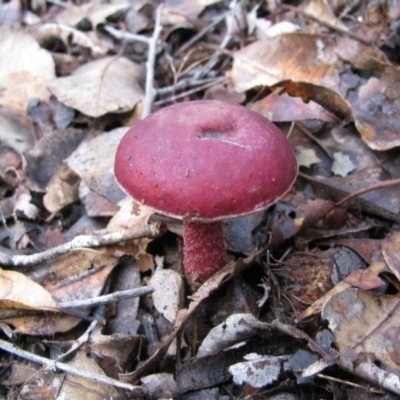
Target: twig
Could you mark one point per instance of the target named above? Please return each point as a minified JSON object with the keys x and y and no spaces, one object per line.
{"x":183,"y":84}
{"x":150,"y":91}
{"x":309,"y":134}
{"x":108,"y":298}
{"x":10,"y":348}
{"x":126,"y":36}
{"x":227,"y":38}
{"x":376,"y":186}
{"x":83,"y":241}
{"x":199,"y":35}
{"x":80,"y":341}
{"x":171,"y":99}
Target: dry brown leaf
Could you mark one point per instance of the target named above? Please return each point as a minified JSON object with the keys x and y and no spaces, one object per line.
{"x":25,"y":69}
{"x":19,"y":292}
{"x":108,"y":85}
{"x":93,"y":161}
{"x":300,"y":57}
{"x":62,"y":189}
{"x":79,"y":275}
{"x":43,"y":324}
{"x":75,"y":387}
{"x":116,"y":351}
{"x":279,"y":107}
{"x":366,"y":324}
{"x":321,"y":11}
{"x":360,"y":55}
{"x":131,"y":215}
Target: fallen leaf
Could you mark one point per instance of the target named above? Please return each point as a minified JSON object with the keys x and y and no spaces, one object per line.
{"x":300,"y":57}
{"x":307,"y":157}
{"x":25,"y":69}
{"x":108,"y":85}
{"x":19,"y":292}
{"x":259,"y":371}
{"x":342,"y":164}
{"x":93,"y":161}
{"x":167,"y":286}
{"x":377,"y":110}
{"x":367,"y":324}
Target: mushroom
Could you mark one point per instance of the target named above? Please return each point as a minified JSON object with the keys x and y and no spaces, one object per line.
{"x":205,"y":161}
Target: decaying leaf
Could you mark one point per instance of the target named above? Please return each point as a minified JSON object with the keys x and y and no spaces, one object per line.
{"x":108,"y":85}
{"x":377,"y":110}
{"x":366,"y":324}
{"x":259,"y":371}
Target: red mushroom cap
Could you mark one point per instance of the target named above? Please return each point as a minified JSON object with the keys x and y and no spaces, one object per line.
{"x":205,"y":160}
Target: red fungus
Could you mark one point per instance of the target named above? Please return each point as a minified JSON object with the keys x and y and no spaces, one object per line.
{"x":202,"y":162}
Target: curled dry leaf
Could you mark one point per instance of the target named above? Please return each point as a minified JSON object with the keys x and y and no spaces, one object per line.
{"x":108,"y":85}
{"x":236,"y":328}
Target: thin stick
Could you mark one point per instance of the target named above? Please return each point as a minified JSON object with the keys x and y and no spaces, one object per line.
{"x":80,"y":341}
{"x":183,"y":84}
{"x":126,"y":36}
{"x":376,"y":186}
{"x":199,"y":35}
{"x":227,"y":38}
{"x":150,"y":91}
{"x":171,"y":99}
{"x":10,"y":348}
{"x":83,"y":241}
{"x":108,"y":298}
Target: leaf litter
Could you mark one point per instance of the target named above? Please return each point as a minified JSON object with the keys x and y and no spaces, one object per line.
{"x":75,"y":250}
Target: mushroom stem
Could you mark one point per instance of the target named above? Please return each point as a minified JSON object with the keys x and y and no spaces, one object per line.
{"x":204,"y":250}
